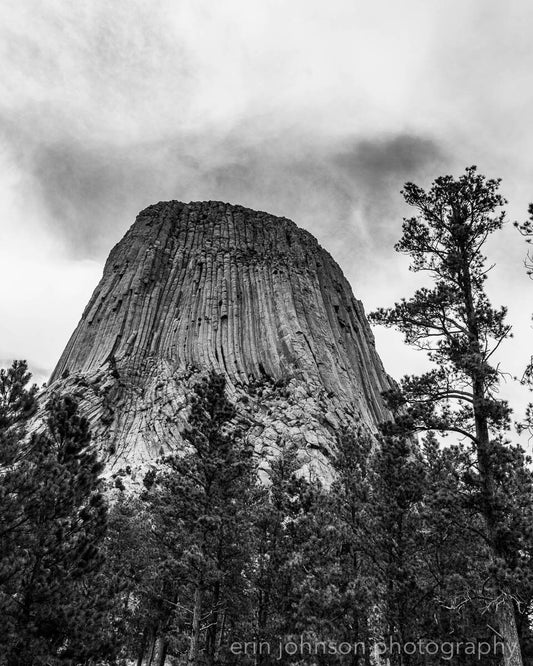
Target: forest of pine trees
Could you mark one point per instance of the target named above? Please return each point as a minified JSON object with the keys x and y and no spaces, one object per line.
{"x":418,"y":553}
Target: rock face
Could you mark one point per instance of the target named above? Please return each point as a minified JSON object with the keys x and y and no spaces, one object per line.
{"x":211,"y":285}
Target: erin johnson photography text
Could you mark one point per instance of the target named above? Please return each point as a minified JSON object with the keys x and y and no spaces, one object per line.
{"x":446,"y":650}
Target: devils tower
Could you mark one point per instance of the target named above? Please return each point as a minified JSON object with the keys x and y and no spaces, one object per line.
{"x":209,"y":285}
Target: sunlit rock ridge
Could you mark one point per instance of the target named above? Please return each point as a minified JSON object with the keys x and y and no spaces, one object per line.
{"x":209,"y":285}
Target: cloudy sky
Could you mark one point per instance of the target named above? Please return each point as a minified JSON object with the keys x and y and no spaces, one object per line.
{"x":315,"y":110}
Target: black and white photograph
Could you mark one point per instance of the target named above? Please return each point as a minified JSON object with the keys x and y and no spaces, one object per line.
{"x":266,"y":336}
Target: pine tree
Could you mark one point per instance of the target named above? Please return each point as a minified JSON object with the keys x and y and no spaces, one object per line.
{"x":140,"y":580}
{"x":52,"y":521}
{"x":398,"y":486}
{"x":351,"y":518}
{"x":456,"y":324}
{"x":526,"y":229}
{"x":411,"y":557}
{"x":17,"y":405}
{"x":301,"y":590}
{"x":454,"y":548}
{"x":200,"y":509}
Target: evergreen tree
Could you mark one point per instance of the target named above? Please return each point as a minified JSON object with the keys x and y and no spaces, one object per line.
{"x":52,"y":521}
{"x":293,"y":592}
{"x":526,"y":229}
{"x":17,"y":405}
{"x":140,"y":580}
{"x":398,"y":486}
{"x":411,"y":558}
{"x":454,"y":549}
{"x":456,"y":324}
{"x":200,"y":509}
{"x":351,"y":517}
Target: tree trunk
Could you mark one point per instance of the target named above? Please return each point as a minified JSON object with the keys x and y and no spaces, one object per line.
{"x":505,"y":616}
{"x":211,"y":638}
{"x":142,"y":648}
{"x":221,"y":634}
{"x":262,"y":620}
{"x":195,"y":632}
{"x":149,"y":655}
{"x":359,"y":658}
{"x":160,"y":653}
{"x":366,"y":659}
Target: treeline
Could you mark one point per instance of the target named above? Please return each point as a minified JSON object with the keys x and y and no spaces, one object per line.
{"x":207,"y":566}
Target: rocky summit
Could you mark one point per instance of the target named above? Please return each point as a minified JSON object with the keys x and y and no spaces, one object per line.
{"x":209,"y":285}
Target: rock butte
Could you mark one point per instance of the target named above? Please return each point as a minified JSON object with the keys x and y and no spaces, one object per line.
{"x":212,"y":285}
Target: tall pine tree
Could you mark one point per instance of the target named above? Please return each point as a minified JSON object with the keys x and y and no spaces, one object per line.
{"x":200,"y":509}
{"x":52,"y":522}
{"x":456,"y":324}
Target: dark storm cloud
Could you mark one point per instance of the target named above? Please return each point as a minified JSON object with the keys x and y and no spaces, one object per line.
{"x":89,"y":194}
{"x":327,"y":188}
{"x":378,"y":168}
{"x":389,"y":158}
{"x":84,"y":193}
{"x":345,"y":193}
